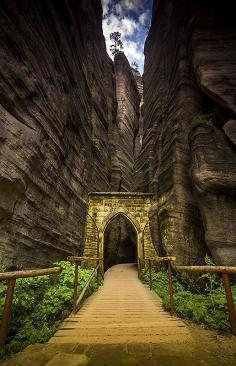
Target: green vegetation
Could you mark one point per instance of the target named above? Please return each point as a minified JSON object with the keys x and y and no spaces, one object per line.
{"x":39,"y":305}
{"x":208,"y":306}
{"x":2,"y":266}
{"x":95,"y":145}
{"x":199,"y":120}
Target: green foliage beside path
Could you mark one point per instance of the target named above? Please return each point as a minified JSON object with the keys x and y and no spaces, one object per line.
{"x":208,"y":306}
{"x":40,"y":304}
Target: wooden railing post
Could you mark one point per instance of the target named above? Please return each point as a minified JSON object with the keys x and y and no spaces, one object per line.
{"x":150,"y":273}
{"x":75,"y":288}
{"x":7,"y":311}
{"x":139,"y":267}
{"x":230,"y":302}
{"x":102,"y":268}
{"x":170,"y":282}
{"x":98,"y":266}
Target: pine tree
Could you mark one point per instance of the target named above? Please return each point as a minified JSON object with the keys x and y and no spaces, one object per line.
{"x":134,"y":65}
{"x":117,"y":45}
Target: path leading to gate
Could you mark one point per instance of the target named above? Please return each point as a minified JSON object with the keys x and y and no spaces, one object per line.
{"x":123,"y":310}
{"x":123,"y":324}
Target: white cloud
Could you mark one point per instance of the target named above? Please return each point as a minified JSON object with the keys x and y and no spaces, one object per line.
{"x":133,"y":52}
{"x":116,"y":18}
{"x":118,"y":9}
{"x":127,"y":4}
{"x":113,"y":23}
{"x":105,"y":5}
{"x":143,"y":17}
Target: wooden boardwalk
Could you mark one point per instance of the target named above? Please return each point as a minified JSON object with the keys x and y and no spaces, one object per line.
{"x":123,"y":324}
{"x":123,"y":310}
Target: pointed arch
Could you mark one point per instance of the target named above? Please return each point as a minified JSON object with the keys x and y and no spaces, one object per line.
{"x":121,"y":212}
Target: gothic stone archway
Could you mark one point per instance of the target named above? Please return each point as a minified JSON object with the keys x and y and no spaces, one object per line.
{"x":104,"y":206}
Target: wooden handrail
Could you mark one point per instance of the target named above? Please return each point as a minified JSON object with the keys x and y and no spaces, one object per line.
{"x":205,"y":269}
{"x":99,"y":268}
{"x":223,"y":270}
{"x":159,"y":259}
{"x":80,"y":259}
{"x":29,"y":273}
{"x":11,"y":277}
{"x":169,"y":260}
{"x":86,"y":286}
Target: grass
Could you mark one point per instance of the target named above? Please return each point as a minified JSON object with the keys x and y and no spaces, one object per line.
{"x":208,"y":306}
{"x":39,"y":306}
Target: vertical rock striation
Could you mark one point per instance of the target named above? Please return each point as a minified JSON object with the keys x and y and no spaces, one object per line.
{"x":187,"y":159}
{"x":122,"y":141}
{"x":126,"y":127}
{"x":56,"y":108}
{"x":68,"y":117}
{"x":212,"y":49}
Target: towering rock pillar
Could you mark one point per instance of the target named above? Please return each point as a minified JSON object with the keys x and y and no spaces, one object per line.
{"x":126,"y":127}
{"x":165,"y":157}
{"x":188,"y":160}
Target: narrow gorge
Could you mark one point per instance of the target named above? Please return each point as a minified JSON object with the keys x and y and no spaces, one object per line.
{"x":73,"y":121}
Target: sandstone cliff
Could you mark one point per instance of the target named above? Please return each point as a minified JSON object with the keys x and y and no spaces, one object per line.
{"x":72,"y":121}
{"x":188,"y":157}
{"x":68,"y":118}
{"x":57,"y":102}
{"x":126,"y":127}
{"x":119,"y":237}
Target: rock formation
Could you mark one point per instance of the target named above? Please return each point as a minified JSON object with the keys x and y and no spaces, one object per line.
{"x":188,"y":157}
{"x":56,"y":108}
{"x":72,"y":121}
{"x":127,"y":125}
{"x":64,"y":132}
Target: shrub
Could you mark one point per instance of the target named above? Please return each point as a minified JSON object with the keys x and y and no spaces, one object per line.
{"x":39,"y":304}
{"x":208,"y":308}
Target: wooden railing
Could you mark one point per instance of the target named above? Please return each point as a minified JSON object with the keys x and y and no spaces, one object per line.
{"x":149,"y":261}
{"x":223,"y":270}
{"x":97,"y":270}
{"x":11,"y":278}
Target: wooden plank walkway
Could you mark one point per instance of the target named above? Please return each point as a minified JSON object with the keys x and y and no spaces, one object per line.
{"x":123,"y":324}
{"x":123,"y":310}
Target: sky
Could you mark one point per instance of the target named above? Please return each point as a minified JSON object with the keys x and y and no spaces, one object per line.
{"x":132,"y":19}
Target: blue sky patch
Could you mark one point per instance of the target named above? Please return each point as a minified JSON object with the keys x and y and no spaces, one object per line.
{"x":132,"y":19}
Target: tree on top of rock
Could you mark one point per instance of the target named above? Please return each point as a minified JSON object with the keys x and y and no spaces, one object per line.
{"x":134,"y":65}
{"x":117,"y":43}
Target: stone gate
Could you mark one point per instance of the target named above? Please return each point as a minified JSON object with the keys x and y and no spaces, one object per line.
{"x":104,"y":207}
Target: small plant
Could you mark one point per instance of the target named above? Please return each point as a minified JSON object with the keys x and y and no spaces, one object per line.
{"x":2,"y":267}
{"x":199,"y":120}
{"x":211,"y":280}
{"x":95,"y":145}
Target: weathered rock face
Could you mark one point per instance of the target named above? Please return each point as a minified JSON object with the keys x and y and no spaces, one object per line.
{"x":120,"y":245}
{"x":186,"y":158}
{"x":57,"y":106}
{"x":127,"y":125}
{"x":68,"y":120}
{"x":72,"y":122}
{"x":139,"y":135}
{"x":213,"y":171}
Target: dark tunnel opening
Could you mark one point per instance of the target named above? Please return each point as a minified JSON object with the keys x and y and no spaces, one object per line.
{"x":120,"y":242}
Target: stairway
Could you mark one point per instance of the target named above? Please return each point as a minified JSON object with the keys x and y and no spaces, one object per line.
{"x":123,"y":310}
